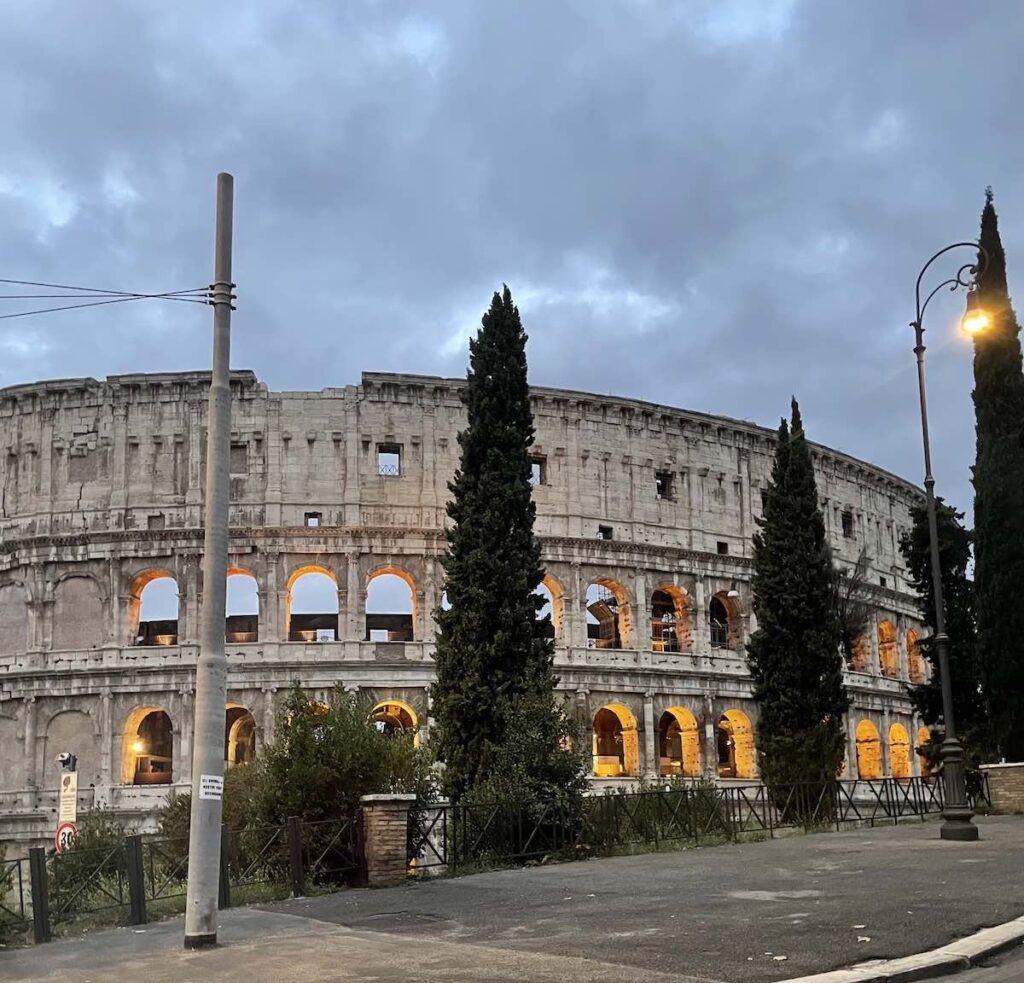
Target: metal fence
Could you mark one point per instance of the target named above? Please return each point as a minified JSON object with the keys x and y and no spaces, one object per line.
{"x":449,"y":837}
{"x":140,"y":877}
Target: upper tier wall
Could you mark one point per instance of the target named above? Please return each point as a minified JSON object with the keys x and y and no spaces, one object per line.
{"x":129,"y":453}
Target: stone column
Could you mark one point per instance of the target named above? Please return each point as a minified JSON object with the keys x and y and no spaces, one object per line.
{"x":356,"y":602}
{"x":651,"y":762}
{"x":851,"y":744}
{"x":701,"y":629}
{"x":106,"y":736}
{"x":420,"y":616}
{"x":574,"y":609}
{"x":385,"y":836}
{"x":30,"y":742}
{"x":874,"y":662}
{"x":430,"y":598}
{"x":709,"y":736}
{"x":901,"y":643}
{"x":269,"y":721}
{"x":641,"y":613}
{"x":883,"y":739}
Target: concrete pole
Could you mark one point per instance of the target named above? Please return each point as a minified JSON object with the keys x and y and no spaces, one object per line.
{"x":211,"y":666}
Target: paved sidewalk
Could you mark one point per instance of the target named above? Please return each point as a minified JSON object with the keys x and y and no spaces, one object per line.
{"x":714,"y":913}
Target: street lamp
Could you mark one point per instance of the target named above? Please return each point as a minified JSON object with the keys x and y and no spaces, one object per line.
{"x":956,"y":811}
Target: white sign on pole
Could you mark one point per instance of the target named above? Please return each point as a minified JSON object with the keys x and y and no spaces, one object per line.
{"x":67,"y":800}
{"x":211,"y":786}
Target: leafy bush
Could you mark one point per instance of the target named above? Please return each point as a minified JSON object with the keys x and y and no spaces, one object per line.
{"x":91,"y":873}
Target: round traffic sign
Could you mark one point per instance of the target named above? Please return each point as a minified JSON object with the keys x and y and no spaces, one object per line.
{"x":67,"y":833}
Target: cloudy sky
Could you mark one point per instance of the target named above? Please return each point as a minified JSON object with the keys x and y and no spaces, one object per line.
{"x":706,"y":204}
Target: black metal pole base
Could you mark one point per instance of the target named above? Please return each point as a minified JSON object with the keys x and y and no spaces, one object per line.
{"x":959,"y":828}
{"x":200,"y":941}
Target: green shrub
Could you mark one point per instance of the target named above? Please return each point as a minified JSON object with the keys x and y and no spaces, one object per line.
{"x":90,"y":874}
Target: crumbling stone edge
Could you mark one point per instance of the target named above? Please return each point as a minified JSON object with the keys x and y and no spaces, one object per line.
{"x":952,"y":958}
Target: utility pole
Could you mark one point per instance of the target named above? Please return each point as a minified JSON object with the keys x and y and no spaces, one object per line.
{"x":211,"y":667}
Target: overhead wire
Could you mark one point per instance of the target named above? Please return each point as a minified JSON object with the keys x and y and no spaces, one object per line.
{"x":194,"y":295}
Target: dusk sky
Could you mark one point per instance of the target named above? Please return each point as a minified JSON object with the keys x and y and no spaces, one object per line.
{"x":710,"y":205}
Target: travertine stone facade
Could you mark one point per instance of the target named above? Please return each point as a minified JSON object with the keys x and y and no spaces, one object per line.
{"x":102,"y":492}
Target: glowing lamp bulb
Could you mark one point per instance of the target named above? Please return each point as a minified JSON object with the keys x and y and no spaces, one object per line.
{"x":975,"y":319}
{"x":138,"y":747}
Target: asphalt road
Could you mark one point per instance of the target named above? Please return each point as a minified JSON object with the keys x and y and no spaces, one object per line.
{"x":716,"y":913}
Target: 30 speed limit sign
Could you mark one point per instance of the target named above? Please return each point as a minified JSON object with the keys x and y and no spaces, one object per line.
{"x":67,"y":833}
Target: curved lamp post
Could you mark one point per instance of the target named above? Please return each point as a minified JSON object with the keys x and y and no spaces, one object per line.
{"x":956,"y":811}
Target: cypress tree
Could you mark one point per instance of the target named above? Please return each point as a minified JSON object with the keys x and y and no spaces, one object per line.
{"x":999,"y":497}
{"x":794,"y":654}
{"x":493,"y":653}
{"x":958,"y":596}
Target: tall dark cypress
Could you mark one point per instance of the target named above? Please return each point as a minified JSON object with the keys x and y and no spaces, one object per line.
{"x":958,"y":595}
{"x":999,"y":498}
{"x":794,"y":654}
{"x":492,"y":650}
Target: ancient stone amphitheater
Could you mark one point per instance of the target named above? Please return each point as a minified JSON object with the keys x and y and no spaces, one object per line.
{"x":645,"y":513}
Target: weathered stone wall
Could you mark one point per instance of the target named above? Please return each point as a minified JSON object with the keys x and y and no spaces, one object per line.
{"x":101,"y":491}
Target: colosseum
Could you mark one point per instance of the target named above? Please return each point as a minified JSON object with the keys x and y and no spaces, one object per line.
{"x":645,"y":514}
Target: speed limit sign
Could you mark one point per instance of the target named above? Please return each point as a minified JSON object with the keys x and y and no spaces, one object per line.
{"x":67,"y":833}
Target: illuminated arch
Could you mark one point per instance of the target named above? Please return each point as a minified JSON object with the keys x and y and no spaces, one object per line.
{"x":915,"y":660}
{"x":242,"y":610}
{"x":869,"y":751}
{"x":396,"y":625}
{"x":556,"y":604}
{"x":679,"y":743}
{"x":670,"y":619}
{"x":616,"y":745}
{"x":735,"y":741}
{"x":310,"y":626}
{"x":899,"y":752}
{"x":239,"y":735}
{"x":147,"y":747}
{"x":888,"y":650}
{"x":146,"y":629}
{"x":609,"y":616}
{"x":924,"y":735}
{"x":724,"y":621}
{"x":396,"y":717}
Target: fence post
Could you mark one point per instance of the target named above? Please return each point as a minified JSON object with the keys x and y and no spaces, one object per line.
{"x":40,"y":894}
{"x":295,"y":845}
{"x":136,"y":879}
{"x":224,"y":884}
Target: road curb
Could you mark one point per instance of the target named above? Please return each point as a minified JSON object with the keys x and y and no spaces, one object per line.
{"x":951,"y":958}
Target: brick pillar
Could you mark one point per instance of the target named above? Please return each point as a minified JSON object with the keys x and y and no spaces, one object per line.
{"x":385,"y":836}
{"x":1006,"y":783}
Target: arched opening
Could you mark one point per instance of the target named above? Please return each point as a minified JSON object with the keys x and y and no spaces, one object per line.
{"x":670,"y":620}
{"x":239,"y":736}
{"x":390,"y":605}
{"x":735,"y":740}
{"x":153,"y":608}
{"x":924,"y":735}
{"x":679,"y":743}
{"x":723,"y":622}
{"x":312,"y":605}
{"x":607,"y":615}
{"x":395,"y":718}
{"x":616,"y":746}
{"x":147,"y":748}
{"x":243,"y":607}
{"x":899,"y":752}
{"x":857,"y":651}
{"x":550,"y":591}
{"x":888,"y":650}
{"x":915,"y":660}
{"x":869,"y":751}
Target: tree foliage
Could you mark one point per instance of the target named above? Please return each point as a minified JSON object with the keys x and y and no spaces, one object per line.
{"x":958,"y":596}
{"x":851,"y":598}
{"x":794,"y":654}
{"x":999,"y":497}
{"x":493,"y":653}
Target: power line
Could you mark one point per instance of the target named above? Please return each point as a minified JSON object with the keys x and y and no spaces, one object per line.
{"x":194,"y":295}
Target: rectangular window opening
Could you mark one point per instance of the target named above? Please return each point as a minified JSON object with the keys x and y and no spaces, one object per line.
{"x":604,"y":532}
{"x":723,"y":548}
{"x":155,"y":521}
{"x":848,"y":525}
{"x":538,"y":471}
{"x":313,"y":518}
{"x":663,"y":484}
{"x":239,"y":458}
{"x":882,"y":582}
{"x":389,"y":460}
